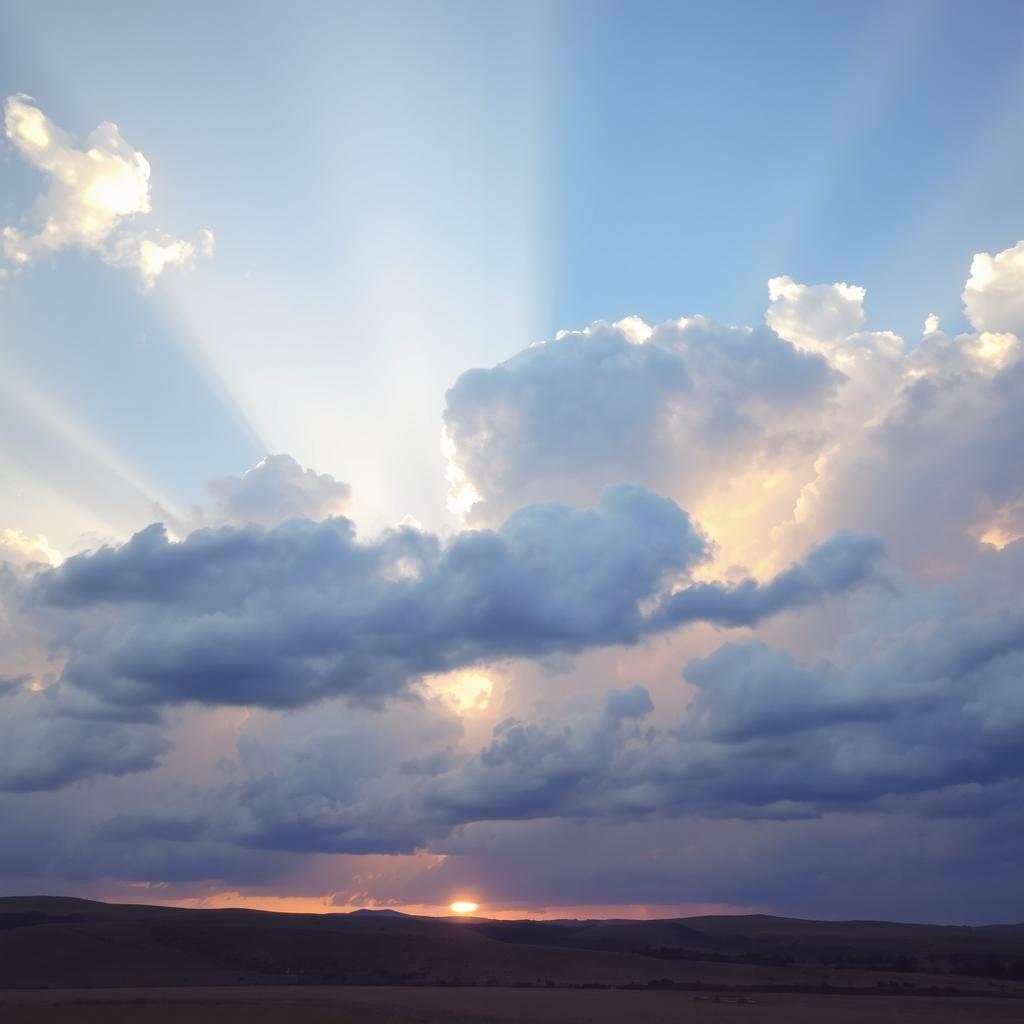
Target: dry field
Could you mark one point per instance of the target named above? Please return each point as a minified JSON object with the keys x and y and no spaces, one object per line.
{"x":383,"y":1005}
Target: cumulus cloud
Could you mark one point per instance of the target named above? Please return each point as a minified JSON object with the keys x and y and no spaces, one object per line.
{"x":816,"y":317}
{"x":22,"y":549}
{"x":676,"y":407}
{"x":770,"y":437}
{"x":290,"y":614}
{"x":942,"y":468}
{"x":994,"y":295}
{"x":94,"y":192}
{"x":276,"y":489}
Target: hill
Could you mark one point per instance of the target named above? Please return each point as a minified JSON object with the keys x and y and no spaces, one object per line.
{"x":63,"y":942}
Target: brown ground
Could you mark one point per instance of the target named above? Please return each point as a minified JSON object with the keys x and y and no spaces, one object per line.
{"x":384,"y":1005}
{"x":81,"y":944}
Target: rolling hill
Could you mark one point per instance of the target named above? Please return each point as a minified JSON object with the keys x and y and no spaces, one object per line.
{"x":63,"y":942}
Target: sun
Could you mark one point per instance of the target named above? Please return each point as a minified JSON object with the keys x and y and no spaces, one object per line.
{"x":463,"y":907}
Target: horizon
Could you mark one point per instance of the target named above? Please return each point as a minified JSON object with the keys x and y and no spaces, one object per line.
{"x":549,"y":918}
{"x":563,"y":457}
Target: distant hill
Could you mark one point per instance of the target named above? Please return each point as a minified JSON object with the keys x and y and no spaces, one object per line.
{"x":63,"y":942}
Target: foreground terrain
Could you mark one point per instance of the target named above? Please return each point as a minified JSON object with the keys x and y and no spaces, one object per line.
{"x":390,"y":1005}
{"x":82,"y":961}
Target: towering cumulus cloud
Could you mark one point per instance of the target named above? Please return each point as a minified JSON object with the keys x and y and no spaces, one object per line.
{"x":94,"y":191}
{"x":679,"y":407}
{"x":789,"y":433}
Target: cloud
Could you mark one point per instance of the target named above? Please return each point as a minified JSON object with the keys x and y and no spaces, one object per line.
{"x":838,"y":565}
{"x":676,"y":407}
{"x":994,"y":294}
{"x":818,"y":317}
{"x":921,"y":696}
{"x":772,"y":438}
{"x":276,"y":489}
{"x":151,"y":256}
{"x":287,"y":615}
{"x":23,"y":549}
{"x":535,"y":770}
{"x":917,"y":705}
{"x":8,"y":684}
{"x":807,"y":446}
{"x":941,"y":468}
{"x":46,"y":742}
{"x":94,"y":192}
{"x":839,"y":866}
{"x":328,"y":779}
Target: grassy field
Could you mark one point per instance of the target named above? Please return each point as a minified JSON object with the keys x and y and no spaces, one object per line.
{"x":388,"y":1005}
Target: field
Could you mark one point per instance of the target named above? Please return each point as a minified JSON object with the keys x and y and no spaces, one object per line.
{"x":398,"y":1005}
{"x":81,"y":962}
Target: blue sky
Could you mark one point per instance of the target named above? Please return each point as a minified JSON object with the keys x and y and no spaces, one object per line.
{"x":351,"y":207}
{"x":400,"y":192}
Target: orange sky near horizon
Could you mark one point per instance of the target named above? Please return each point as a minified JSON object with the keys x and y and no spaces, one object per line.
{"x":324,"y":905}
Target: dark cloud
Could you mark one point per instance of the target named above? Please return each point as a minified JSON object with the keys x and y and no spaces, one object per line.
{"x":45,"y":745}
{"x":913,"y":720}
{"x":10,"y":683}
{"x":922,"y":695}
{"x":920,"y":699}
{"x":844,"y":866}
{"x":830,"y":568}
{"x":284,"y":616}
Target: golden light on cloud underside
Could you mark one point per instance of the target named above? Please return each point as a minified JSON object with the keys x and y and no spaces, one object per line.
{"x":463,"y":691}
{"x":463,"y":907}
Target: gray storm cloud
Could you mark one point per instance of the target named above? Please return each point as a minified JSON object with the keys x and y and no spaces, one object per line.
{"x":284,"y":616}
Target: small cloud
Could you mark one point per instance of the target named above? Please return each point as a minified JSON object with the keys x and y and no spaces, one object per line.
{"x":276,"y":488}
{"x":994,"y":294}
{"x":94,"y":190}
{"x":27,"y":548}
{"x":817,"y":317}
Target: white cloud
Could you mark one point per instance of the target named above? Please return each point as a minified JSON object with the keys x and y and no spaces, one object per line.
{"x":689,"y":408}
{"x":94,"y":191}
{"x":814,"y":317}
{"x":22,"y":548}
{"x":994,"y":295}
{"x":276,"y":488}
{"x":863,"y":429}
{"x":151,"y":257}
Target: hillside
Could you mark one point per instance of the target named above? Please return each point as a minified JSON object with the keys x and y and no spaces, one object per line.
{"x":60,"y":942}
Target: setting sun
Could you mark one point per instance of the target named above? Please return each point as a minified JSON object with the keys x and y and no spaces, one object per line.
{"x":463,"y":907}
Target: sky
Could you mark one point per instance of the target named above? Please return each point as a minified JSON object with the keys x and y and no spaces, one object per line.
{"x":559,"y":456}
